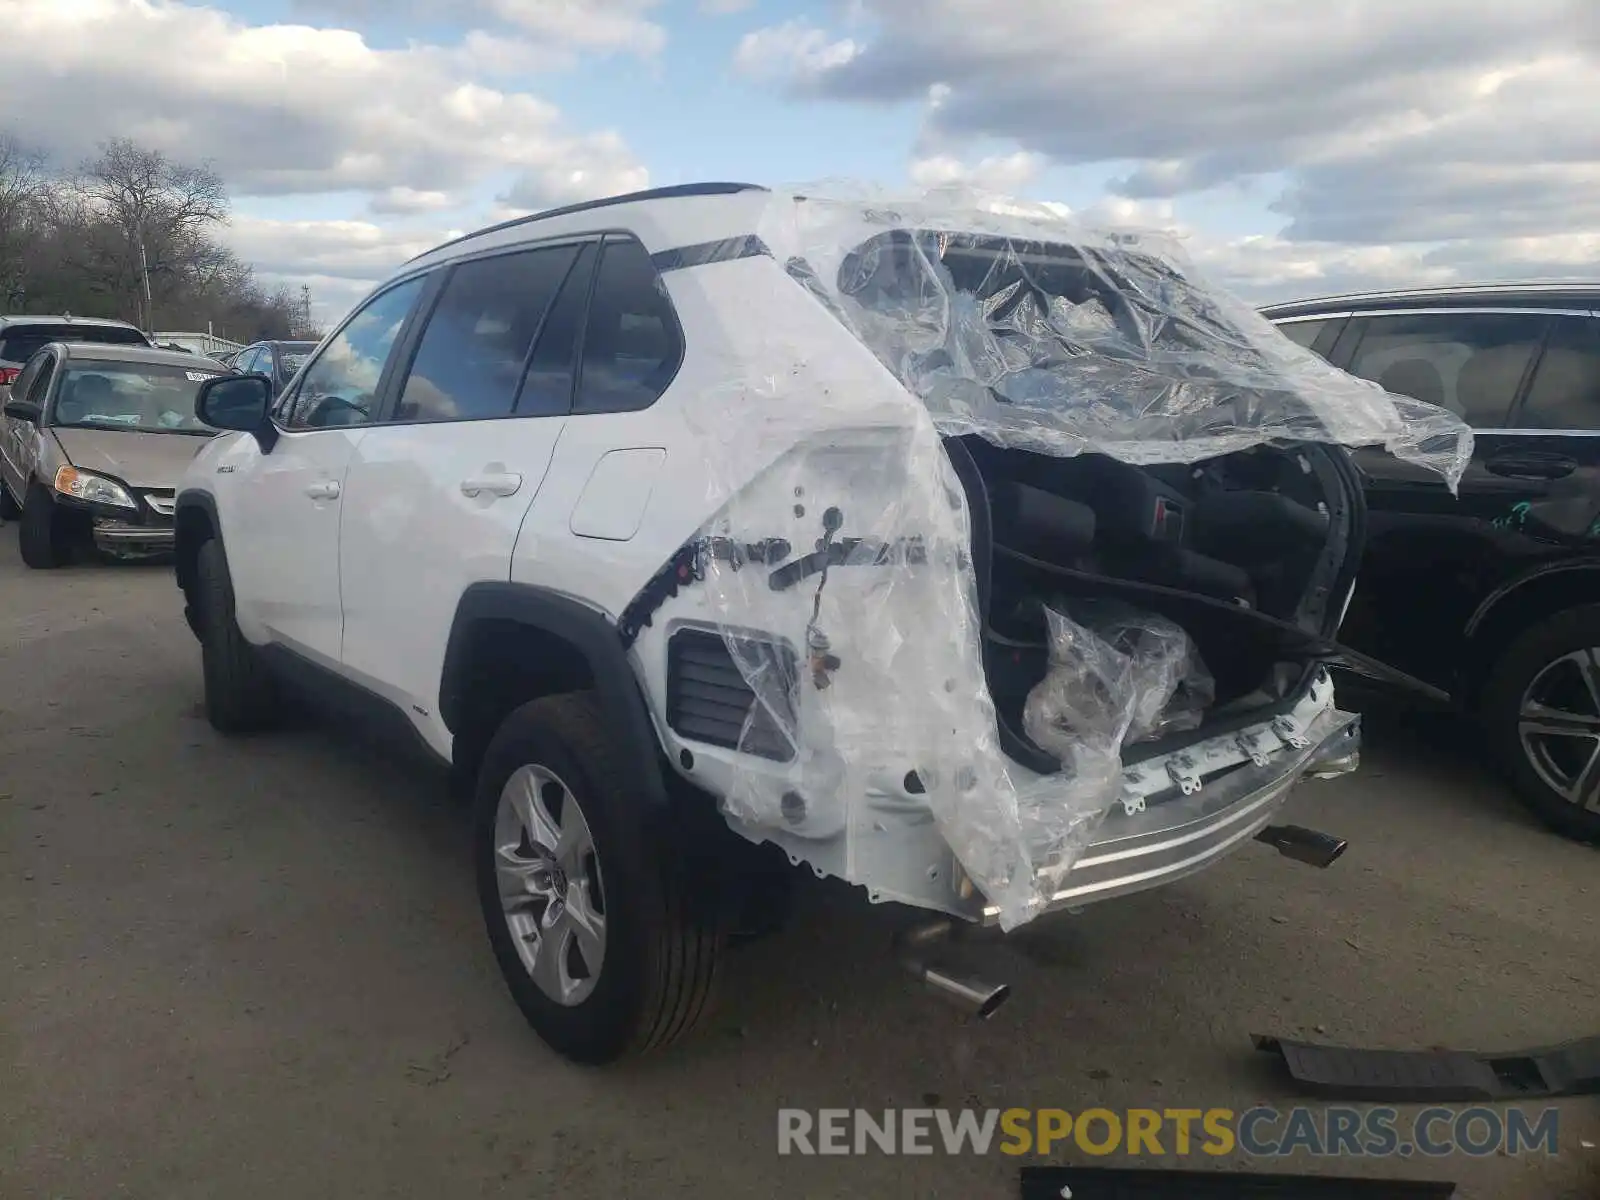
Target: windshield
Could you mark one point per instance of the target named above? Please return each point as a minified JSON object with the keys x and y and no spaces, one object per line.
{"x":19,"y":343}
{"x":152,"y":397}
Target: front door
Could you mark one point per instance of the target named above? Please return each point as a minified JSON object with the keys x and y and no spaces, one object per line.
{"x":289,"y":501}
{"x":18,"y":438}
{"x":437,"y":491}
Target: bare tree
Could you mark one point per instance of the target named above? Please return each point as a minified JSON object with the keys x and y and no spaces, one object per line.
{"x":23,"y":184}
{"x":155,"y":216}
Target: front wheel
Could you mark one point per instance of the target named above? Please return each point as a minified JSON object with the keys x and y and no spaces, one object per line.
{"x":1541,"y":712}
{"x":241,"y":696}
{"x":41,"y":536}
{"x":592,"y":918}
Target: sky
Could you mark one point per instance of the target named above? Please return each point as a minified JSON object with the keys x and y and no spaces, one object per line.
{"x":1293,"y":148}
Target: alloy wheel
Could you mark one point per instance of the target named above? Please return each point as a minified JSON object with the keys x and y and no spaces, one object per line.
{"x":551,"y":892}
{"x":1559,"y":727}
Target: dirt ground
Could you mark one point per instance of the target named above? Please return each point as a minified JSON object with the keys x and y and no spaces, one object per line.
{"x":256,"y":968}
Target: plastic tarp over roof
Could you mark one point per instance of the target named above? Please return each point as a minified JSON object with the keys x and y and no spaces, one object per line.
{"x":1013,"y":324}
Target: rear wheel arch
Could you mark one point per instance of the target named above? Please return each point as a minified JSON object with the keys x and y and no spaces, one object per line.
{"x":513,"y":643}
{"x":1517,"y":606}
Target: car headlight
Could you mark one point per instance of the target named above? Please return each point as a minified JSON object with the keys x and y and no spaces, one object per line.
{"x":95,"y":489}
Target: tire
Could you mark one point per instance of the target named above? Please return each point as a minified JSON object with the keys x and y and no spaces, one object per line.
{"x":660,"y":944}
{"x":40,"y":535}
{"x":1556,"y":664}
{"x":240,"y":693}
{"x":10,"y":510}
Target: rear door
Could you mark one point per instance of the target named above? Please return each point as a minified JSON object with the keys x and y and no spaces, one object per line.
{"x":1553,"y":445}
{"x":436,"y":492}
{"x":1430,"y":556}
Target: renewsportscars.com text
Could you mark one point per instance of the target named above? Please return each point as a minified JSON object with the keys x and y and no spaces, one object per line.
{"x":1216,"y":1132}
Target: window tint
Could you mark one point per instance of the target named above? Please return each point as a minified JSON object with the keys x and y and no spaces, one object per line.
{"x":341,"y":386}
{"x":630,"y":344}
{"x":1565,"y":393}
{"x":547,"y":387}
{"x":246,"y":363}
{"x":41,"y":382}
{"x":472,"y":353}
{"x":20,"y":385}
{"x":1303,"y":333}
{"x":1470,"y":363}
{"x":21,"y":341}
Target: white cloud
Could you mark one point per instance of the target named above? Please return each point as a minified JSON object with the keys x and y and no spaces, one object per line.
{"x":795,"y":50}
{"x":404,"y":200}
{"x":1435,"y":136}
{"x":998,"y":173}
{"x":282,"y":109}
{"x":555,"y":27}
{"x":718,"y":8}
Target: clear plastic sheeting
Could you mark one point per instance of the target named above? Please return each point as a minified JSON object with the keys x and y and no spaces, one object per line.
{"x":1014,"y":324}
{"x":838,"y":566}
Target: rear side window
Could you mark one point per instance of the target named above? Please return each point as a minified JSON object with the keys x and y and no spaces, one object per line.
{"x":18,"y":344}
{"x":1303,"y":333}
{"x":1469,"y":363}
{"x":473,"y":353}
{"x":1565,"y":393}
{"x":632,"y":344}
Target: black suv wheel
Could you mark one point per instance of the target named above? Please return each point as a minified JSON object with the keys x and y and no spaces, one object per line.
{"x":591,"y":916}
{"x":1541,"y":710}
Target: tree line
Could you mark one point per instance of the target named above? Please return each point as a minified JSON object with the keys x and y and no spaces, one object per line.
{"x":134,"y":235}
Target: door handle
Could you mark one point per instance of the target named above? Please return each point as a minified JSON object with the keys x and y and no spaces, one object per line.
{"x":327,"y":489}
{"x":502,"y":483}
{"x":1531,"y":466}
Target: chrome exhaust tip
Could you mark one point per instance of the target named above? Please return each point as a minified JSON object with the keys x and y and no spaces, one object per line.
{"x":975,"y":997}
{"x":1304,"y":845}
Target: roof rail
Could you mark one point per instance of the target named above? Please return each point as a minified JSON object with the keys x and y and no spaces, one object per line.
{"x":662,"y":193}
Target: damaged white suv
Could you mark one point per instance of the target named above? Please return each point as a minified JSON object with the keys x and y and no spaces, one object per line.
{"x":949,"y":550}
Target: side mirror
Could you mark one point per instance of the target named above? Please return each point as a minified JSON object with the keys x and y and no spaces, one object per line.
{"x":238,"y":402}
{"x":23,"y":410}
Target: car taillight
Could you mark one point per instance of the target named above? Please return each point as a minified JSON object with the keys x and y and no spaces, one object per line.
{"x":8,"y":375}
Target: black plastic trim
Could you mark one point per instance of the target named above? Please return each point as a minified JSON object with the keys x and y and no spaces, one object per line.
{"x":351,"y":702}
{"x":592,"y":636}
{"x":703,"y":253}
{"x":675,"y":192}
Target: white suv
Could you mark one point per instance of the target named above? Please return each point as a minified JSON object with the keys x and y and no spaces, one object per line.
{"x":952,"y":553}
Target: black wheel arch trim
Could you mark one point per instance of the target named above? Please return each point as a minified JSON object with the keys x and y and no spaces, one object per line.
{"x":1510,"y":587}
{"x":592,"y":635}
{"x":190,"y":499}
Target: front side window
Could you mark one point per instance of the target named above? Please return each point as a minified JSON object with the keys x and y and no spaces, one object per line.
{"x":631,"y":344}
{"x":41,"y":381}
{"x":1469,"y":363}
{"x":473,"y":353}
{"x":148,"y":397}
{"x":1565,"y":393}
{"x":341,"y":387}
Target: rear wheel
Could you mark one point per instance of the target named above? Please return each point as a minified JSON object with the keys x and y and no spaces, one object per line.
{"x":593,"y":921}
{"x":1541,"y":709}
{"x":240,"y":694}
{"x":42,"y":536}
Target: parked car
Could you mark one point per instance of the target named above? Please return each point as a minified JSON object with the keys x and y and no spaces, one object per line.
{"x":92,"y":443}
{"x":278,"y":361}
{"x":20,"y":336}
{"x":1492,"y":597}
{"x":676,"y":525}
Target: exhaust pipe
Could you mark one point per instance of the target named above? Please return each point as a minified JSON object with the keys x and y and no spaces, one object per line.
{"x":973,"y":996}
{"x":1303,"y":845}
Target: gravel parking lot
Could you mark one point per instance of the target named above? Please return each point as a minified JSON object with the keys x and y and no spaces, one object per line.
{"x":256,"y":968}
